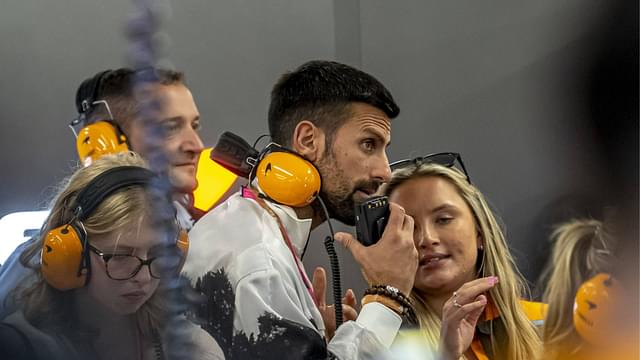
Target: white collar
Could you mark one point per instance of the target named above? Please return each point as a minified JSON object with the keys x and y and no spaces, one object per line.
{"x":182,"y":215}
{"x":297,"y":229}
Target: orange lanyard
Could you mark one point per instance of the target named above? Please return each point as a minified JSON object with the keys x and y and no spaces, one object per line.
{"x":250,"y":194}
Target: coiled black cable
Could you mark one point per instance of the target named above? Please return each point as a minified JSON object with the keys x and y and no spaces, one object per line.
{"x":335,"y":267}
{"x":335,"y":278}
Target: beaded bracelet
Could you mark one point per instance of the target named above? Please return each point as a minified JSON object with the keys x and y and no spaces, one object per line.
{"x":396,"y":296}
{"x":389,"y":291}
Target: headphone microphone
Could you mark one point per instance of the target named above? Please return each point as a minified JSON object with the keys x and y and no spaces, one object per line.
{"x":234,"y":154}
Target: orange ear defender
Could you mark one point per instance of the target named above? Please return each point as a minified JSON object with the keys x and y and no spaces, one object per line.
{"x":98,"y":138}
{"x":64,"y":256}
{"x":283,"y":176}
{"x":286,"y":177}
{"x":591,"y":310}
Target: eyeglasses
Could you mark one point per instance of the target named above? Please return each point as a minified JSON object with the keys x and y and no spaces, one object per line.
{"x":447,"y":159}
{"x":124,"y":267}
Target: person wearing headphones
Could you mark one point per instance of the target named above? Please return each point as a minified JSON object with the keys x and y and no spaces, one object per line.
{"x":108,"y":122}
{"x":468,"y":293}
{"x":579,"y":289}
{"x":96,"y":293}
{"x":334,"y":122}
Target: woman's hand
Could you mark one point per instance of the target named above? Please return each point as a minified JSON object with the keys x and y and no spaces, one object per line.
{"x":460,"y":315}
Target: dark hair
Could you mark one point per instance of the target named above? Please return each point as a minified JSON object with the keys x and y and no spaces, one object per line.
{"x":321,"y":91}
{"x":116,"y":88}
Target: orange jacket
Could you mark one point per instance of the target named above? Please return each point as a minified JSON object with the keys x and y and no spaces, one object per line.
{"x":480,"y":345}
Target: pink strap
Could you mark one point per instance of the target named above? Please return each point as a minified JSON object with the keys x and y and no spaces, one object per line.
{"x":250,"y":194}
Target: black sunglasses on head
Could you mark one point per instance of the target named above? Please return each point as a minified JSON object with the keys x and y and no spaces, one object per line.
{"x":447,"y":159}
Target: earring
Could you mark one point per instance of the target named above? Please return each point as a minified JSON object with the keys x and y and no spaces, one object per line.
{"x":481,"y":247}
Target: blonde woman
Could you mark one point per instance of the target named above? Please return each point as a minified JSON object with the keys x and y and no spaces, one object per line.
{"x":103,"y":302}
{"x":468,"y":294}
{"x":581,"y":249}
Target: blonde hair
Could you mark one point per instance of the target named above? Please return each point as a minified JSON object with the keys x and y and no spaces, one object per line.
{"x":46,"y":306}
{"x":581,"y":249}
{"x":523,"y":341}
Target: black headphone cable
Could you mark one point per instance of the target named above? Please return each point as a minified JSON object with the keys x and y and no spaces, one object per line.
{"x":335,"y":267}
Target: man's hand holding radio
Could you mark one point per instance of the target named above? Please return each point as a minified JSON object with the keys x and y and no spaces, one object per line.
{"x":393,"y":260}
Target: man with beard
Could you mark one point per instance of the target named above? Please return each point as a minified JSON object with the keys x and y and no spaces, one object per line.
{"x":245,"y":255}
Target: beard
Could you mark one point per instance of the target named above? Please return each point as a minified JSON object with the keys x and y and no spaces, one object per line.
{"x":339,"y":192}
{"x":340,"y":207}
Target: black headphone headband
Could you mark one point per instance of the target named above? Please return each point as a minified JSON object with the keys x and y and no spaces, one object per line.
{"x":106,"y":184}
{"x":88,"y":92}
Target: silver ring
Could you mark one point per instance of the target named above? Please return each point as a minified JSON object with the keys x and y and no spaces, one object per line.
{"x":455,"y":303}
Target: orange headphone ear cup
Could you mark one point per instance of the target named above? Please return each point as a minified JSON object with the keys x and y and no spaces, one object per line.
{"x":288,"y":179}
{"x":591,"y":309}
{"x":98,"y":139}
{"x":62,"y":258}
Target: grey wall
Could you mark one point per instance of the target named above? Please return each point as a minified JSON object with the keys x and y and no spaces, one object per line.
{"x":496,"y":81}
{"x":232,"y":53}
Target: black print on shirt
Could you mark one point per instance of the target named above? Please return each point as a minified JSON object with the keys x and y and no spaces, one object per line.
{"x":276,"y":339}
